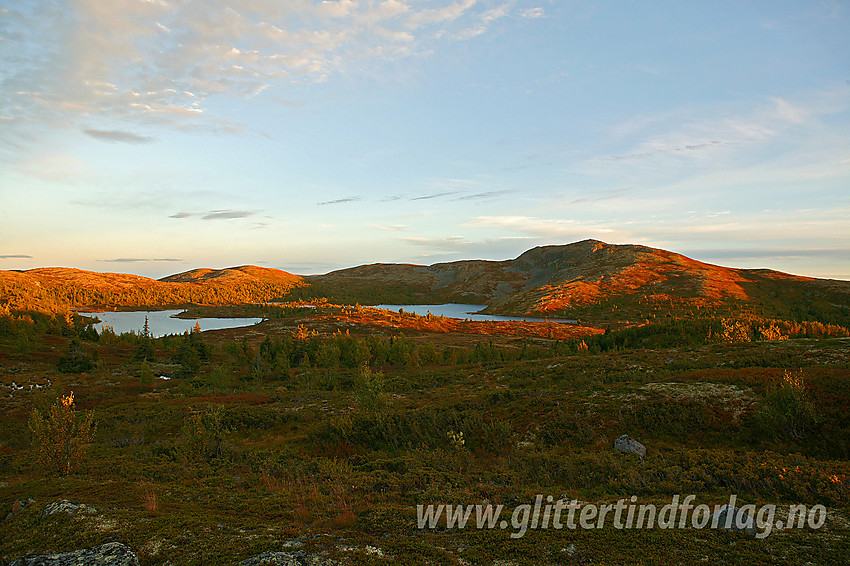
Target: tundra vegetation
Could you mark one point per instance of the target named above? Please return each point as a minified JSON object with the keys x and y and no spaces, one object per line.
{"x":338,"y":420}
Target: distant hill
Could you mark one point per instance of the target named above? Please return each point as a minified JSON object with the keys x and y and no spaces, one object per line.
{"x":245,"y":274}
{"x":590,"y":279}
{"x":56,"y":289}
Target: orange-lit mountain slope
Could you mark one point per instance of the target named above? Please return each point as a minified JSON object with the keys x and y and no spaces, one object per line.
{"x":568,"y":280}
{"x":583,"y":279}
{"x":56,"y":289}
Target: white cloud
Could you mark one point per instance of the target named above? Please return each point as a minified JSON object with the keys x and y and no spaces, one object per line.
{"x":137,"y":61}
{"x":443,"y":14}
{"x":533,"y":13}
{"x":484,"y":21}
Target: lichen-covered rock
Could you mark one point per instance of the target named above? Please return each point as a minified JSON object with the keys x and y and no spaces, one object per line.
{"x":296,"y":558}
{"x":733,"y":519}
{"x":109,"y":554}
{"x":66,"y":506}
{"x":629,"y":445}
{"x":289,"y":558}
{"x":295,"y":553}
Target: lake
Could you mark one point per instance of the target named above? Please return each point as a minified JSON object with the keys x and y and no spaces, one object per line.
{"x":161,"y":323}
{"x":463,"y":311}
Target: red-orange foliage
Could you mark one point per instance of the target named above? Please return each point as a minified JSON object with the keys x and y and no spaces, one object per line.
{"x":431,"y":323}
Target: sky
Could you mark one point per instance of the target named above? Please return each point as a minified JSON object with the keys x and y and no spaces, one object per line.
{"x":157,"y":136}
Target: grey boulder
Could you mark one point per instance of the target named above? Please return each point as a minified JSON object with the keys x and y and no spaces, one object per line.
{"x":629,"y":445}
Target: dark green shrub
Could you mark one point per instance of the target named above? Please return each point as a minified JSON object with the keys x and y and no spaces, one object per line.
{"x":75,"y":359}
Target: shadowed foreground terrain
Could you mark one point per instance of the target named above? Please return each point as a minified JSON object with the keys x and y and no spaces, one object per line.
{"x":314,"y":435}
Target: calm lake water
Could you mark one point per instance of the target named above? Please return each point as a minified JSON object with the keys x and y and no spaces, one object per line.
{"x":162,"y":323}
{"x":462,"y":311}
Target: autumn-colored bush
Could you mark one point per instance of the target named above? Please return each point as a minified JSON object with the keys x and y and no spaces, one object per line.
{"x":60,"y":437}
{"x":787,"y":411}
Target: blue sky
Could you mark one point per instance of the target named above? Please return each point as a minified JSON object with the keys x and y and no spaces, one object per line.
{"x":155,"y":136}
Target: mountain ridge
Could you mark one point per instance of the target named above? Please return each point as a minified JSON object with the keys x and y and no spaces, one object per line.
{"x":581,"y":279}
{"x":562,"y":279}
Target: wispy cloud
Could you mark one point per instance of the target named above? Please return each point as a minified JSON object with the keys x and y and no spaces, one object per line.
{"x":226,"y":214}
{"x":609,"y":195}
{"x":659,"y":148}
{"x":15,"y":256}
{"x":460,"y":188}
{"x":118,"y":136}
{"x":533,"y":13}
{"x":339,"y":201}
{"x":720,"y":135}
{"x":484,"y":21}
{"x":443,"y":14}
{"x":435,"y":195}
{"x":485,"y":195}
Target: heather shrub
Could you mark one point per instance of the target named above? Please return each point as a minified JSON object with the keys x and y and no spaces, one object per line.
{"x":203,"y":434}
